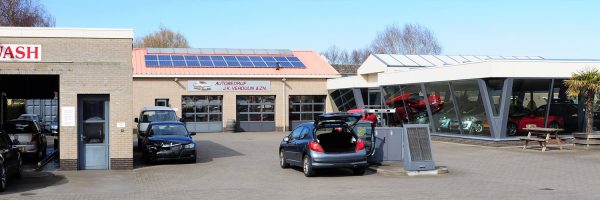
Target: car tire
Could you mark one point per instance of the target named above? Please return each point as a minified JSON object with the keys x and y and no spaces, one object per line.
{"x":3,"y":177}
{"x":476,"y":128}
{"x":19,"y":173}
{"x":282,"y":163}
{"x":359,"y":171}
{"x":511,"y":129}
{"x":307,"y":167}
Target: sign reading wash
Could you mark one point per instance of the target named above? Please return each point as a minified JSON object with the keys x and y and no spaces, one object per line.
{"x":229,"y":86}
{"x":20,"y":52}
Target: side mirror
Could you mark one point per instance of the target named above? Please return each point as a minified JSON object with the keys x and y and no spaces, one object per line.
{"x":286,"y":139}
{"x":136,"y":120}
{"x":193,"y":133}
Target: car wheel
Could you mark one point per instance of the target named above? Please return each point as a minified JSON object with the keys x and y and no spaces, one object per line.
{"x":307,"y":167}
{"x":282,"y":163}
{"x":554,"y":125}
{"x":19,"y":173}
{"x":477,"y":127}
{"x":359,"y":171}
{"x":3,"y":177}
{"x":511,"y":129}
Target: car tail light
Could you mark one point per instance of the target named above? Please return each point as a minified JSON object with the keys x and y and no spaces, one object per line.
{"x":360,"y":145}
{"x":314,"y":146}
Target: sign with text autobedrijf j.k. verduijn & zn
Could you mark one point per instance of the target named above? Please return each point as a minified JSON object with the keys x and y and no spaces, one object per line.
{"x":20,"y":53}
{"x":229,"y":86}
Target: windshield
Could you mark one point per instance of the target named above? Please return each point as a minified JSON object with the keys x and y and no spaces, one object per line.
{"x":168,"y":129}
{"x":19,"y":127}
{"x":28,"y":117}
{"x":158,"y":116}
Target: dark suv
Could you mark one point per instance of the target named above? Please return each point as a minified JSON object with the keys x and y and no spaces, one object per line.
{"x":10,"y":161}
{"x":329,"y":142}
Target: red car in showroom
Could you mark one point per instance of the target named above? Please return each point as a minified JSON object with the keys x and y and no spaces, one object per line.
{"x":411,"y":105}
{"x":561,"y":116}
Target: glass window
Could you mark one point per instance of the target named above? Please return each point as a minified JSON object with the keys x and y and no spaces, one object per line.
{"x":442,"y":108}
{"x":305,"y":107}
{"x":202,"y":108}
{"x":527,"y":105}
{"x":391,"y":96}
{"x":255,"y":108}
{"x":158,"y":116}
{"x":472,"y":114}
{"x":565,"y":112}
{"x":161,"y":102}
{"x":409,"y":104}
{"x":297,"y":133}
{"x":343,"y":99}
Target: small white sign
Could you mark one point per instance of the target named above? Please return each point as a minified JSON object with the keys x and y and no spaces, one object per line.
{"x":229,"y":86}
{"x":120,"y":124}
{"x":67,"y":116}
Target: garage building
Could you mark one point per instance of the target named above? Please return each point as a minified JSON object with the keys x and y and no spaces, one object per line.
{"x":86,"y":76}
{"x":245,"y":89}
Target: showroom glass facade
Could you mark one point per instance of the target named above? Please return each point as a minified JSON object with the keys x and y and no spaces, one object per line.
{"x":483,"y":108}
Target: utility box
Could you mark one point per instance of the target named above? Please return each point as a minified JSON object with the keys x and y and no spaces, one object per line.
{"x":388,"y":144}
{"x":417,"y":148}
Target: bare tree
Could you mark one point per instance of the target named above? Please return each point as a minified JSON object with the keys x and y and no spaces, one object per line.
{"x":24,"y":13}
{"x":336,"y":55}
{"x":411,"y":39}
{"x":358,"y":56}
{"x":163,"y":38}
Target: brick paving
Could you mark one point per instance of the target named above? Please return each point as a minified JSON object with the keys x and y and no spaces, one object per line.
{"x":244,"y":166}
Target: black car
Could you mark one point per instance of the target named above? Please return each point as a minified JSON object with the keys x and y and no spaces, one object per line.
{"x":329,"y":142}
{"x":167,"y":141}
{"x":10,"y":161}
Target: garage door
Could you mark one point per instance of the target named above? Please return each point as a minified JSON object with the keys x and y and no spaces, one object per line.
{"x":202,"y":114}
{"x":255,"y":113}
{"x":304,"y":108}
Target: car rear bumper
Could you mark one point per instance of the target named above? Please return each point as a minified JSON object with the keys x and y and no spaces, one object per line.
{"x":339,"y":160}
{"x":27,"y":148}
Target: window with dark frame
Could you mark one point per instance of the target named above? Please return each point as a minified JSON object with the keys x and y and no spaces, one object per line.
{"x":306,"y":107}
{"x":161,"y":102}
{"x":255,"y":108}
{"x":202,"y":108}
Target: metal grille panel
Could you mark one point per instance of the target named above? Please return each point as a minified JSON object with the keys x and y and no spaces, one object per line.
{"x":418,"y":143}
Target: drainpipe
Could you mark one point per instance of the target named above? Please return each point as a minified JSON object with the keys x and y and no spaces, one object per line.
{"x":284,"y":105}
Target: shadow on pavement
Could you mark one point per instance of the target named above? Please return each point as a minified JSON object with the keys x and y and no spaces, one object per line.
{"x":33,"y":181}
{"x":340,"y":172}
{"x":206,"y":152}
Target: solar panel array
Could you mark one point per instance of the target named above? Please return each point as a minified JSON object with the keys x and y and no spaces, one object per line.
{"x":222,"y":61}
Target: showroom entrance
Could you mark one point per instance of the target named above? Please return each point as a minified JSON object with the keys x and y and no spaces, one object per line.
{"x":255,"y":113}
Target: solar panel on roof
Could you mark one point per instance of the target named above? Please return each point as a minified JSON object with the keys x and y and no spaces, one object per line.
{"x":164,"y":57}
{"x":222,"y":61}
{"x":243,"y":58}
{"x":150,"y":57}
{"x":191,"y":57}
{"x":268,"y":58}
{"x":206,"y":63}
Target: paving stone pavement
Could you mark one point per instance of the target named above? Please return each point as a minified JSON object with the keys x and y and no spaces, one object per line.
{"x":244,"y":166}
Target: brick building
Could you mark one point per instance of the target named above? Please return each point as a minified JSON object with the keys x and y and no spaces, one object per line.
{"x":88,"y":72}
{"x":259,"y":89}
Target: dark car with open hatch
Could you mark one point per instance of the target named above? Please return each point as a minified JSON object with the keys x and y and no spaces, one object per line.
{"x":330,"y":141}
{"x":168,"y":141}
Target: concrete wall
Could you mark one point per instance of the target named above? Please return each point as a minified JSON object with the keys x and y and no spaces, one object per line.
{"x":146,"y":90}
{"x":86,"y":66}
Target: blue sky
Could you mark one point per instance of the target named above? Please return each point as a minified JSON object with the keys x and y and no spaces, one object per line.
{"x":553,"y":29}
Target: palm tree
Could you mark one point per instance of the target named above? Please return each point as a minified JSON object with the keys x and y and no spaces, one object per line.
{"x":588,"y":82}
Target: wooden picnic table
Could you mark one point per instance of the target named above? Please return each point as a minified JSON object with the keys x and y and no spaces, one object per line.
{"x":542,"y":136}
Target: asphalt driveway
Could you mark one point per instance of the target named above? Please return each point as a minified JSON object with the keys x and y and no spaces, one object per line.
{"x":245,"y":166}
